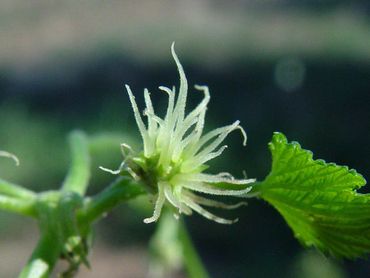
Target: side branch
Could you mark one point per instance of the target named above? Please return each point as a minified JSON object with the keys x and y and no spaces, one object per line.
{"x":123,"y":189}
{"x":79,"y":173}
{"x":13,"y":190}
{"x":22,"y":207}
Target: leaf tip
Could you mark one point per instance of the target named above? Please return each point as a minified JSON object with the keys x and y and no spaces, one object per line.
{"x":277,"y":139}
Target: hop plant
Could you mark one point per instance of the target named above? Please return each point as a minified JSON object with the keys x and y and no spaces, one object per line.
{"x":319,"y":201}
{"x":175,"y":151}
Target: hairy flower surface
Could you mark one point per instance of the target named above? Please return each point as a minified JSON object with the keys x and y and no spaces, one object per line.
{"x":175,"y":153}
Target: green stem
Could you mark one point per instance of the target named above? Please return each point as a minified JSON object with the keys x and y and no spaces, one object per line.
{"x":13,"y":190}
{"x":49,"y":247}
{"x":19,"y":206}
{"x":43,"y":258}
{"x":192,"y":261}
{"x":79,"y":173}
{"x":123,"y":189}
{"x":104,"y":141}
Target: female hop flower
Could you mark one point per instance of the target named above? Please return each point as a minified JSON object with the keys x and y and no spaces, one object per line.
{"x":175,"y":152}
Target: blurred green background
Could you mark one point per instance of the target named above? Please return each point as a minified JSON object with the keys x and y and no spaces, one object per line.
{"x":299,"y":67}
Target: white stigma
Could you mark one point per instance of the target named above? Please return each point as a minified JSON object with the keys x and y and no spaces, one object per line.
{"x":10,"y":155}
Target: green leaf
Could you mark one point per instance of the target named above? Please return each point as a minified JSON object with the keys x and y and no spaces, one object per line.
{"x":318,"y":200}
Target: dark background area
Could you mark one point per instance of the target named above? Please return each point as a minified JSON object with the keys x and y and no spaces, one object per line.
{"x":299,"y":67}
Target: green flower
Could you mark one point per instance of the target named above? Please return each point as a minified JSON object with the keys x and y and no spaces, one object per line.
{"x":175,"y":153}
